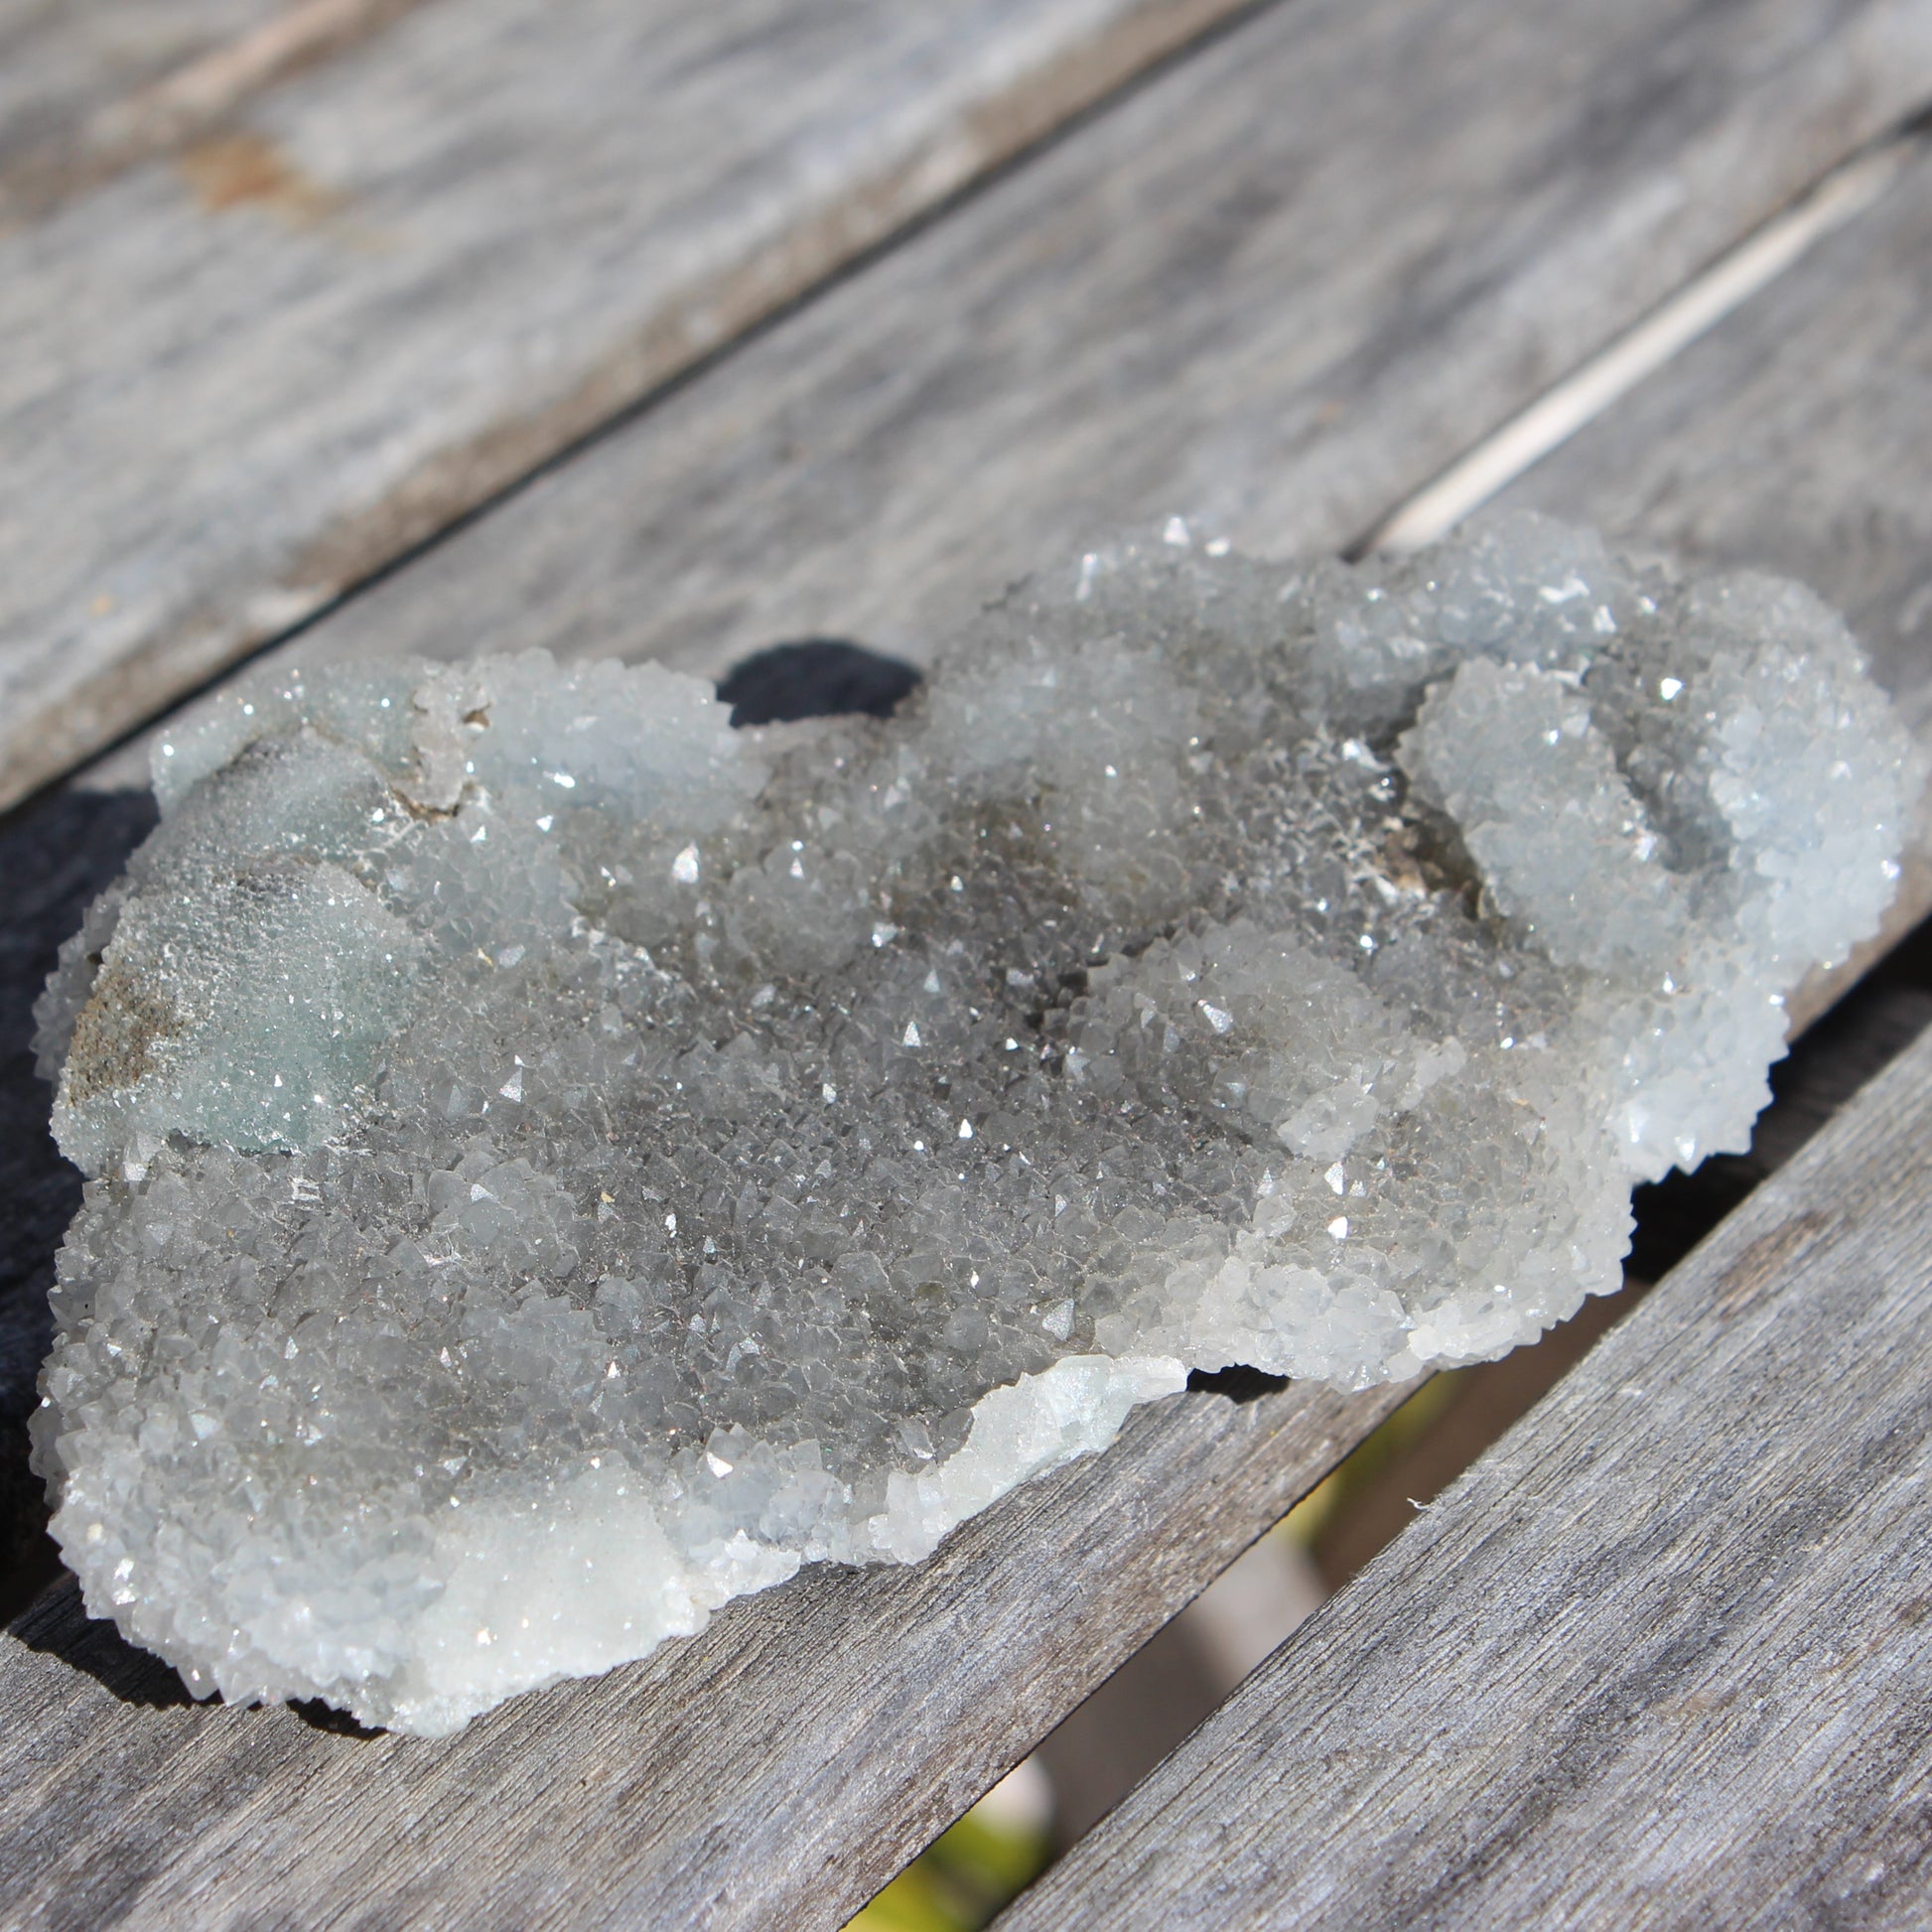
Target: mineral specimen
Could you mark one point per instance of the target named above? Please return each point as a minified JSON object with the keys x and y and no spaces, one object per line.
{"x":559,"y":1162}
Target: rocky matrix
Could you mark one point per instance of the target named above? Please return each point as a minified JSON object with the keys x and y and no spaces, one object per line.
{"x":559,"y":1163}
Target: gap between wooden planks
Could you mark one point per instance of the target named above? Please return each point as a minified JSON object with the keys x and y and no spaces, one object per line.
{"x":852,"y":1715}
{"x":1684,"y":1685}
{"x":302,"y":303}
{"x":1658,"y":1659}
{"x":1820,"y":393}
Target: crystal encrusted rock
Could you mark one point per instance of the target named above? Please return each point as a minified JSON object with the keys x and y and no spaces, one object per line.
{"x":559,"y":1162}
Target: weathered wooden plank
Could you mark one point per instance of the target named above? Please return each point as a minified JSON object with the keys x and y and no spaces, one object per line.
{"x":1659,"y":1658}
{"x":773,"y":1772}
{"x":1276,"y":309}
{"x":1149,"y":1706}
{"x":1185,"y":311}
{"x":1861,"y":1036}
{"x":1822,"y":385}
{"x":844,"y":1734}
{"x":296,"y":305}
{"x":69,"y":67}
{"x":90,"y":90}
{"x":1821,"y":389}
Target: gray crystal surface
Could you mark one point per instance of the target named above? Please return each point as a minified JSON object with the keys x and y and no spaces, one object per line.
{"x":558,"y":1163}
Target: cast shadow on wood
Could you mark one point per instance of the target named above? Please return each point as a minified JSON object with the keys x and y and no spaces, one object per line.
{"x":57,"y":1624}
{"x":56,"y":855}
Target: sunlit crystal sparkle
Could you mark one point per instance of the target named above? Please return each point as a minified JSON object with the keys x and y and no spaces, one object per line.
{"x":768,"y":1146}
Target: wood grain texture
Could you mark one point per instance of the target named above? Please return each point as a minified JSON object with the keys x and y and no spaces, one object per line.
{"x":1818,"y":393}
{"x":777,"y":1769}
{"x":1274,"y":291}
{"x":67,"y":65}
{"x":1861,"y":1037}
{"x":321,"y":291}
{"x":773,"y":1772}
{"x":1819,"y":388}
{"x":96,"y":89}
{"x":1659,"y":1659}
{"x":1228,"y":299}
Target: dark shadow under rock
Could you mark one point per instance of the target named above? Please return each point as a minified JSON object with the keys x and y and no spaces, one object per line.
{"x":59,"y":1625}
{"x":1238,"y":1383}
{"x":56,"y":856}
{"x":814,"y":677}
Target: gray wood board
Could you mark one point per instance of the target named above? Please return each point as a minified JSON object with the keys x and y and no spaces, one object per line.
{"x":1799,"y":434}
{"x":1819,"y":388}
{"x":262,"y":337}
{"x":1275,"y":291}
{"x":1228,"y":300}
{"x":780,"y":1766}
{"x":1149,"y":1706}
{"x":1657,"y":1659}
{"x":67,"y":66}
{"x":773,"y":1772}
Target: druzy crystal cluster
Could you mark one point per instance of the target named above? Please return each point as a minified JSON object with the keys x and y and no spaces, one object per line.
{"x":558,"y":1161}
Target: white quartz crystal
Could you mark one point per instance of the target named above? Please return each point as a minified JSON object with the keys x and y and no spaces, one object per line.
{"x":558,"y":1163}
